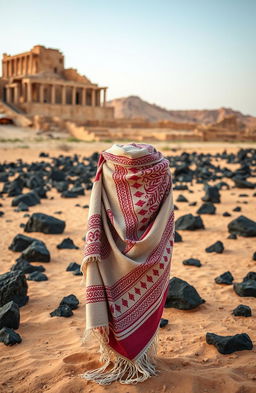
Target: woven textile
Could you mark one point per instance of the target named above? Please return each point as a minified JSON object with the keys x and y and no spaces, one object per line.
{"x":127,"y":258}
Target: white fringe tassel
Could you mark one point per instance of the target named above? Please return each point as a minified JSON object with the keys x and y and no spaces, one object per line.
{"x":124,"y":370}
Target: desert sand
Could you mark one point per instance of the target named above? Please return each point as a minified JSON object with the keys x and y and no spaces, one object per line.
{"x":51,"y":354}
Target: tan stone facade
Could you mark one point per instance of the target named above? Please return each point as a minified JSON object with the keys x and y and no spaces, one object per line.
{"x":36,"y":82}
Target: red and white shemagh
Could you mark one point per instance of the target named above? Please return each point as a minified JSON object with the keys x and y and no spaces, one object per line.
{"x":127,"y":258}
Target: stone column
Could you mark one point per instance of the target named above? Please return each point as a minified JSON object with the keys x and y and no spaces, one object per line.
{"x":15,"y":66}
{"x":83,"y":96}
{"x":93,"y":97}
{"x":73,"y":95}
{"x":8,"y":94}
{"x":63,"y":95}
{"x":30,"y":63}
{"x":41,"y":93}
{"x":104,"y":97}
{"x":53,"y":94}
{"x":16,"y":94}
{"x":29,"y":90}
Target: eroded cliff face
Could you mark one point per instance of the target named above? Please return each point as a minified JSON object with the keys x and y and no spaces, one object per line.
{"x":133,"y":107}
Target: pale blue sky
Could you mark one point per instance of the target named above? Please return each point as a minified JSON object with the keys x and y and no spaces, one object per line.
{"x":182,"y":54}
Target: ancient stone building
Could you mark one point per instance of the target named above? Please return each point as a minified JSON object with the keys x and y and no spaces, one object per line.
{"x":37,"y":83}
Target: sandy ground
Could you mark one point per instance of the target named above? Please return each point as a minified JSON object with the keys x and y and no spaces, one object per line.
{"x":51,"y":355}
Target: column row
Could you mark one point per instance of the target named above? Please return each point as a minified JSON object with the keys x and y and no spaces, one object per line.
{"x":22,"y":65}
{"x":47,"y":93}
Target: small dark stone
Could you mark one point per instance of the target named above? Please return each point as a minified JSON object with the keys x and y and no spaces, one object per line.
{"x":77,"y":272}
{"x":242,"y":311}
{"x":182,"y":295}
{"x":175,"y":207}
{"x":237,"y":209}
{"x":192,"y":262}
{"x":40,"y":222}
{"x":73,"y":266}
{"x":36,"y":252}
{"x":13,"y":286}
{"x":62,"y":311}
{"x":10,"y":315}
{"x":245,"y":288}
{"x":37,"y":276}
{"x":71,"y":301}
{"x":181,"y":198}
{"x":226,"y":214}
{"x":212,"y":194}
{"x":229,"y":344}
{"x":192,"y":203}
{"x":22,"y":207}
{"x":163,"y":322}
{"x":207,"y":208}
{"x":232,"y":236}
{"x":21,"y":242}
{"x":9,"y":337}
{"x":177,"y":237}
{"x":242,"y":226}
{"x":67,"y":244}
{"x":216,"y":247}
{"x":31,"y":198}
{"x":243,"y":195}
{"x":189,"y":222}
{"x":69,"y":194}
{"x":224,"y":278}
{"x":250,"y":276}
{"x":24,"y":266}
{"x":254,"y":256}
{"x":85,"y":207}
{"x":1,"y":213}
{"x":241,"y":183}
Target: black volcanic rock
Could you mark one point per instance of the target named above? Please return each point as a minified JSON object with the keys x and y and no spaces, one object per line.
{"x":177,"y":237}
{"x":40,"y":222}
{"x":37,"y":276}
{"x":237,"y":209}
{"x":206,"y":208}
{"x":226,"y":214}
{"x":250,"y":276}
{"x":189,"y":222}
{"x":20,"y":242}
{"x":232,"y":236}
{"x":22,"y":207}
{"x":182,"y":295}
{"x":254,"y":256}
{"x":212,"y":194}
{"x":242,"y":311}
{"x":36,"y":252}
{"x":216,"y":247}
{"x":13,"y":286}
{"x":242,"y":183}
{"x":245,"y":288}
{"x":62,"y":311}
{"x":69,"y":194}
{"x":229,"y":344}
{"x":73,"y":266}
{"x":242,"y":226}
{"x":31,"y":198}
{"x":224,"y":278}
{"x":26,"y":267}
{"x":9,"y":337}
{"x":181,"y":198}
{"x":192,"y":262}
{"x":163,"y":322}
{"x":67,"y":244}
{"x":10,"y":315}
{"x":71,"y":301}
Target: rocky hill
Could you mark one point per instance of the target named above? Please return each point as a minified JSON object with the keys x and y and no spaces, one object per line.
{"x":133,"y":107}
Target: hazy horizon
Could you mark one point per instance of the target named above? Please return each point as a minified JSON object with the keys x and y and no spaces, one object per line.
{"x":186,"y":55}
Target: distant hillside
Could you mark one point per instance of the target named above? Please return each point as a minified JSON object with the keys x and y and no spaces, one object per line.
{"x":134,"y":107}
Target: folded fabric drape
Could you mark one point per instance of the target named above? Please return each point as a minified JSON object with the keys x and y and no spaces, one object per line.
{"x":127,"y":258}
